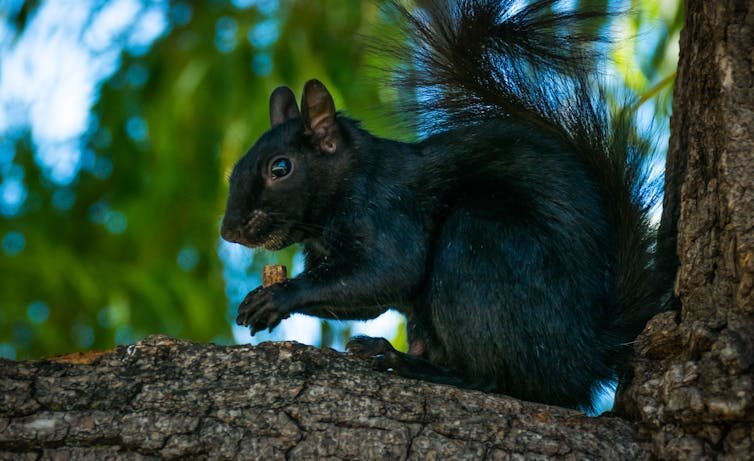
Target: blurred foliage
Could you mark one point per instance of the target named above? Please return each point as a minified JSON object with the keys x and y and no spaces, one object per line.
{"x":172,"y":122}
{"x":137,"y":250}
{"x":648,"y":56}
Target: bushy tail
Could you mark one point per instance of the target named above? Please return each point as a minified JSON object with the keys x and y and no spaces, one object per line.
{"x":466,"y":61}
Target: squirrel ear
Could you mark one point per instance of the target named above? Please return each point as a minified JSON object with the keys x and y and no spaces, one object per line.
{"x":283,"y":106}
{"x":318,"y":113}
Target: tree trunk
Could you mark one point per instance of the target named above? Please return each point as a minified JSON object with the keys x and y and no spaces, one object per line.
{"x":693,"y":380}
{"x":692,"y":389}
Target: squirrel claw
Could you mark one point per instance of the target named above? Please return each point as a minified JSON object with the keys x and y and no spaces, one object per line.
{"x":263,"y":308}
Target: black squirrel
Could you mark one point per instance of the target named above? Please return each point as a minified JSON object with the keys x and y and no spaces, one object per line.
{"x":515,"y":237}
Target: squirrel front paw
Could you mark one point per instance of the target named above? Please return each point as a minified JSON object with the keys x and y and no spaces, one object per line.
{"x":264,"y":308}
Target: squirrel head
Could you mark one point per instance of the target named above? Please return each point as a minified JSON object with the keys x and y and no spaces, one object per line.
{"x":290,"y":174}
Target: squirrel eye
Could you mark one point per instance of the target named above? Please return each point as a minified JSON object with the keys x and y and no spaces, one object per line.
{"x":280,"y":167}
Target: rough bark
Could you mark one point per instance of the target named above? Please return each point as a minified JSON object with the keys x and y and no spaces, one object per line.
{"x":166,"y":398}
{"x":694,"y":378}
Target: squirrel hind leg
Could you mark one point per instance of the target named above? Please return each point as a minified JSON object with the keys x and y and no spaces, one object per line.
{"x":385,"y":358}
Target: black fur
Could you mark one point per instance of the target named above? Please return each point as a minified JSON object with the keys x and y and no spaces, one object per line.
{"x":515,"y":237}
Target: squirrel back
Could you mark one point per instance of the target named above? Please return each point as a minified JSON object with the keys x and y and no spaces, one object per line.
{"x":515,"y":236}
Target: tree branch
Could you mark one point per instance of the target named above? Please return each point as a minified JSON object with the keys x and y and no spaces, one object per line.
{"x":175,"y":399}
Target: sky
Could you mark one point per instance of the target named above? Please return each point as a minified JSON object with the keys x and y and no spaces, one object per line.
{"x":50,"y":78}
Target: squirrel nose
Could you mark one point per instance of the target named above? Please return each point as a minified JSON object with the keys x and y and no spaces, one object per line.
{"x":232,"y":236}
{"x":229,"y":232}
